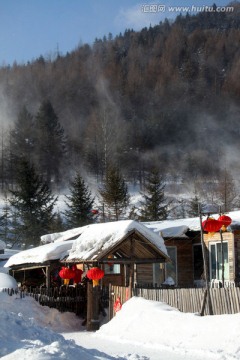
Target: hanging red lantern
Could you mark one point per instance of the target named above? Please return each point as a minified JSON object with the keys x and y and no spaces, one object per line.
{"x":95,"y":274}
{"x":225,"y":220}
{"x":77,"y":276}
{"x":66,"y":274}
{"x":211,"y":225}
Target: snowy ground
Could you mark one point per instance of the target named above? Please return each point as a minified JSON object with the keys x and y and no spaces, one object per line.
{"x":142,"y":330}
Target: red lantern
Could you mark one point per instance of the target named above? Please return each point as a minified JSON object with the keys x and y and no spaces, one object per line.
{"x":95,"y":274}
{"x":77,"y":275}
{"x":66,"y":274}
{"x":225,"y":220}
{"x":211,"y":225}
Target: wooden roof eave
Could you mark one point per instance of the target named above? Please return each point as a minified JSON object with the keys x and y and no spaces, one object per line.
{"x":148,"y":244}
{"x":31,"y":266}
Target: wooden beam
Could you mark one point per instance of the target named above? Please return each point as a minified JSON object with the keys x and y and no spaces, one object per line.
{"x":133,"y":261}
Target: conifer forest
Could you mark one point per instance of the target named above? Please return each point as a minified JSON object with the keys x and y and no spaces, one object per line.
{"x":161,"y":103}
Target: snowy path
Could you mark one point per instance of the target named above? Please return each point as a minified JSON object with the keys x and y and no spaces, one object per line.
{"x":104,"y":348}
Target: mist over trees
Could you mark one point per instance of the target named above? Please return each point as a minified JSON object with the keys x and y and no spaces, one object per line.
{"x":166,"y":96}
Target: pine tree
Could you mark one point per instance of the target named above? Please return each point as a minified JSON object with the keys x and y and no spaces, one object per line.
{"x":227,"y":193}
{"x":50,"y":142}
{"x":114,"y":194}
{"x":194,"y":206}
{"x":79,"y":205}
{"x":5,"y":223}
{"x":22,"y":140}
{"x":57,"y":225}
{"x":154,"y":206}
{"x":33,"y":203}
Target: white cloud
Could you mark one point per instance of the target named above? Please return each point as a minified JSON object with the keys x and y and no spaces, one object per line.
{"x":136,"y":18}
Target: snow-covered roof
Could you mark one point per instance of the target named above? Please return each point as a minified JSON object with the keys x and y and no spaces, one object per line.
{"x":93,"y":239}
{"x":89,"y":240}
{"x":178,"y":228}
{"x":41,"y":254}
{"x":174,"y":228}
{"x":62,"y":236}
{"x":98,"y":238}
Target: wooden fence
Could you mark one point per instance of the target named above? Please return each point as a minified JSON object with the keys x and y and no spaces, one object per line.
{"x":223,"y":300}
{"x":74,"y":299}
{"x":63,"y":298}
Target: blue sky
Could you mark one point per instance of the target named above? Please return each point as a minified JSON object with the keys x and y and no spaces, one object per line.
{"x":30,"y":28}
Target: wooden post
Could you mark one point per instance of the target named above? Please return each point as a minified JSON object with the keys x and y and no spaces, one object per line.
{"x":48,"y":280}
{"x":206,"y":275}
{"x":132,"y":265}
{"x":222,"y":254}
{"x":92,"y":307}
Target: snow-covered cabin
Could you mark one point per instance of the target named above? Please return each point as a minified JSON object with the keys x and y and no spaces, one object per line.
{"x":182,"y":238}
{"x":125,"y":249}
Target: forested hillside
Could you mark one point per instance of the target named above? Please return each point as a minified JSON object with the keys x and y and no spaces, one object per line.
{"x":167,"y":96}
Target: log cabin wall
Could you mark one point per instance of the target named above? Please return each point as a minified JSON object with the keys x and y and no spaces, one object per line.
{"x":114,"y":279}
{"x":144,"y":274}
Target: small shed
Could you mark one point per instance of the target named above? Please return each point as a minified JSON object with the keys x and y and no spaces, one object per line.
{"x":123,"y":248}
{"x":36,"y":266}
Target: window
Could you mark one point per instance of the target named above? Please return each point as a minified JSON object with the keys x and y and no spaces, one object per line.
{"x":171,"y":268}
{"x":197,"y":262}
{"x":112,"y":269}
{"x":218,"y":252}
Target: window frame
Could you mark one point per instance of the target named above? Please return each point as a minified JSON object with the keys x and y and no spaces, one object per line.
{"x":216,"y":244}
{"x":171,"y":264}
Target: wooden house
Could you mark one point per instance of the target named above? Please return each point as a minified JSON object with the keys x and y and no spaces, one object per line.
{"x":182,"y":239}
{"x":183,"y":243}
{"x":124,"y":249}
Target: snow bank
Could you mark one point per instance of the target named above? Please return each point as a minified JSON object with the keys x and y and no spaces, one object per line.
{"x":7,"y":282}
{"x":157,"y":325}
{"x":24,"y":333}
